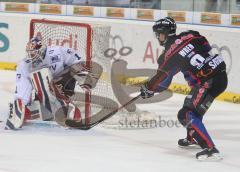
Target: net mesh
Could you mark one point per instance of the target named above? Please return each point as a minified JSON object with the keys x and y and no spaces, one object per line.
{"x":91,"y":41}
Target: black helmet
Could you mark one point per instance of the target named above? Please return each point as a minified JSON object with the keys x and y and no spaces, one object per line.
{"x":166,"y":26}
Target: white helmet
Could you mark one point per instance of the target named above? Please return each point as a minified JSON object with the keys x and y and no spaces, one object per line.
{"x":35,"y":50}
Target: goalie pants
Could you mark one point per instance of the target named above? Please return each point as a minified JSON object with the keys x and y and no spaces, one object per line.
{"x":196,"y":104}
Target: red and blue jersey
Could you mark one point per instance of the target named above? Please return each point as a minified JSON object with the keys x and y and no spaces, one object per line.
{"x":189,"y":53}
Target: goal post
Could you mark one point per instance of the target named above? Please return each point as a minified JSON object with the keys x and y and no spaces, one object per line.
{"x":89,"y":40}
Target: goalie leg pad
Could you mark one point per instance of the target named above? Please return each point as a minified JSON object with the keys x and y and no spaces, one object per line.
{"x":74,"y":112}
{"x":67,"y":111}
{"x":17,"y":115}
{"x":41,"y":87}
{"x":42,"y":106}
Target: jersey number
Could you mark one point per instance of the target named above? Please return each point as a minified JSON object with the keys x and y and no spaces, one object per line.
{"x":54,"y":67}
{"x":197,"y":61}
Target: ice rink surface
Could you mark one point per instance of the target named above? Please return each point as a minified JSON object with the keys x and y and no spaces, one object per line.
{"x":45,"y":147}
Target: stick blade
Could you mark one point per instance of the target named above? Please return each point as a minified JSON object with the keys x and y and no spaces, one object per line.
{"x":79,"y":125}
{"x":76,"y":124}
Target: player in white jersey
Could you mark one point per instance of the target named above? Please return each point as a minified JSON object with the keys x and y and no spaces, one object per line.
{"x":63,"y":63}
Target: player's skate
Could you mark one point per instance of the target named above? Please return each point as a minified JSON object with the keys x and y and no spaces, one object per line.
{"x":188,"y":144}
{"x":209,"y":154}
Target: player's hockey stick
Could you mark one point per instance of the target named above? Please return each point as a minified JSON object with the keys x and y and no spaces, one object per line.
{"x":81,"y":126}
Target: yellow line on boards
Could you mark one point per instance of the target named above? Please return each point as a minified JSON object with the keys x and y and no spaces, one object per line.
{"x":8,"y":66}
{"x":177,"y":88}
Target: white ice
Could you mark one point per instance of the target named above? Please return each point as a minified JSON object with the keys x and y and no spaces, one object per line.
{"x":44,"y":147}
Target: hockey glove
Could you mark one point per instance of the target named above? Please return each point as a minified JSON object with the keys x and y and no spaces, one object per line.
{"x":57,"y":90}
{"x":145,"y":92}
{"x":78,"y":68}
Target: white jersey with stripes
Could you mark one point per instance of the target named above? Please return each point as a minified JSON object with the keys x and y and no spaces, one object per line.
{"x":56,"y":59}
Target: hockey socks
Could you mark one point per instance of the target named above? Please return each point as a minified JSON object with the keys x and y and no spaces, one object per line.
{"x":199,"y":132}
{"x":201,"y":136}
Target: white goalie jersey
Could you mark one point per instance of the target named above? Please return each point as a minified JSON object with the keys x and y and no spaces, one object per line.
{"x":56,"y":59}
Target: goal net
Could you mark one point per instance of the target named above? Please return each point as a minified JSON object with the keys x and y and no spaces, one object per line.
{"x":90,"y":41}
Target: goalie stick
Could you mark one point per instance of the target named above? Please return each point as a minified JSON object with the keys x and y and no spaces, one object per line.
{"x":79,"y":125}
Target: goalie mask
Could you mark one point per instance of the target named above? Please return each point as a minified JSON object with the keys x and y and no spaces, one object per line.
{"x":35,"y":50}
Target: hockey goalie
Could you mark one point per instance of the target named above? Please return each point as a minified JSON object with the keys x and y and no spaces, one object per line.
{"x":66,"y":68}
